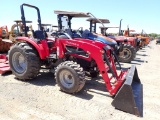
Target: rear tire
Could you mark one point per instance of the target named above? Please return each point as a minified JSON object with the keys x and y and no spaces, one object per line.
{"x":128,"y":54}
{"x":70,"y":77}
{"x":24,"y":61}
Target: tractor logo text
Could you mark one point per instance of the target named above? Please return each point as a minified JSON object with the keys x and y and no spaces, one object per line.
{"x":71,"y":43}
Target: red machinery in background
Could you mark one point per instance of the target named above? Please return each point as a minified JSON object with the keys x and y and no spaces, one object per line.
{"x":4,"y":65}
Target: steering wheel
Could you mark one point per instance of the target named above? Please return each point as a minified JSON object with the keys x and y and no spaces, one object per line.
{"x":80,"y":30}
{"x":57,"y":34}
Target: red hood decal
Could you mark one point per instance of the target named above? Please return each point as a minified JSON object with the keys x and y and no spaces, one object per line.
{"x":121,"y":38}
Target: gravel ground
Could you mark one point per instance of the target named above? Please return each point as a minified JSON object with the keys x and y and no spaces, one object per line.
{"x":40,"y":99}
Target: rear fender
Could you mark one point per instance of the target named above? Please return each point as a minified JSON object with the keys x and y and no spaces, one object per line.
{"x":41,"y":46}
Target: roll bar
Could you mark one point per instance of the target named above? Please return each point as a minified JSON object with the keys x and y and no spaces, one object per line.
{"x":23,"y":16}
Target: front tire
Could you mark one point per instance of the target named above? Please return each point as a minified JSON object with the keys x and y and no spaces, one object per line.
{"x":70,"y":77}
{"x":24,"y":61}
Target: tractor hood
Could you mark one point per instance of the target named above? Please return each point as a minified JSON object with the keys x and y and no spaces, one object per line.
{"x":122,"y":38}
{"x":106,"y":40}
{"x":103,"y":39}
{"x":98,"y":37}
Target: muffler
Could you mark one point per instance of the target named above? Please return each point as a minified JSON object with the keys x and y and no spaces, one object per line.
{"x":129,"y":98}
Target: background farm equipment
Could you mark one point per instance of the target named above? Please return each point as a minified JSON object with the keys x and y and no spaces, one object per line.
{"x":8,"y":38}
{"x":158,"y":40}
{"x":66,"y":57}
{"x":126,"y":53}
{"x":4,"y":47}
{"x":129,"y":44}
{"x":4,"y":32}
{"x":4,"y":66}
{"x":144,"y":39}
{"x":48,"y":28}
{"x":100,"y":37}
{"x":18,"y":30}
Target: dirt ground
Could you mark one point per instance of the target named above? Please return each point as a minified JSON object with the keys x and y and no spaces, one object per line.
{"x":40,"y":99}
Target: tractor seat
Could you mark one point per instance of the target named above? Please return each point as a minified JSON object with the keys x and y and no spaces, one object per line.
{"x":38,"y":34}
{"x":88,"y":35}
{"x":76,"y":34}
{"x":85,"y":33}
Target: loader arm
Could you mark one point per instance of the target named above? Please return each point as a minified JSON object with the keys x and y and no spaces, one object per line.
{"x":98,"y":52}
{"x":126,"y":89}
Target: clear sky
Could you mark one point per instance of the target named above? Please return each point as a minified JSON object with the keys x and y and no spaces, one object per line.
{"x":138,"y":14}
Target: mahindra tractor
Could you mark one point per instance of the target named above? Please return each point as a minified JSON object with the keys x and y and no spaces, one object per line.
{"x":119,"y":47}
{"x":130,"y":43}
{"x":144,"y":38}
{"x":130,"y":33}
{"x":64,"y":56}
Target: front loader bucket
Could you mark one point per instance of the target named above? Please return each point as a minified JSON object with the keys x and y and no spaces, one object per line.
{"x":129,"y":98}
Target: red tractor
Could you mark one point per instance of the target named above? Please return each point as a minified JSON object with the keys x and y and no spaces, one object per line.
{"x":63,"y":54}
{"x":130,"y":43}
{"x":124,"y":54}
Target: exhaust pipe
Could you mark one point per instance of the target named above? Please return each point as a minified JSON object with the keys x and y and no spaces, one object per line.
{"x":129,"y":98}
{"x":120,"y":32}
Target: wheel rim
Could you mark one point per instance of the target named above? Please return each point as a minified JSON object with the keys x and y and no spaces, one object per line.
{"x":126,"y":53}
{"x":66,"y":79}
{"x":19,"y":62}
